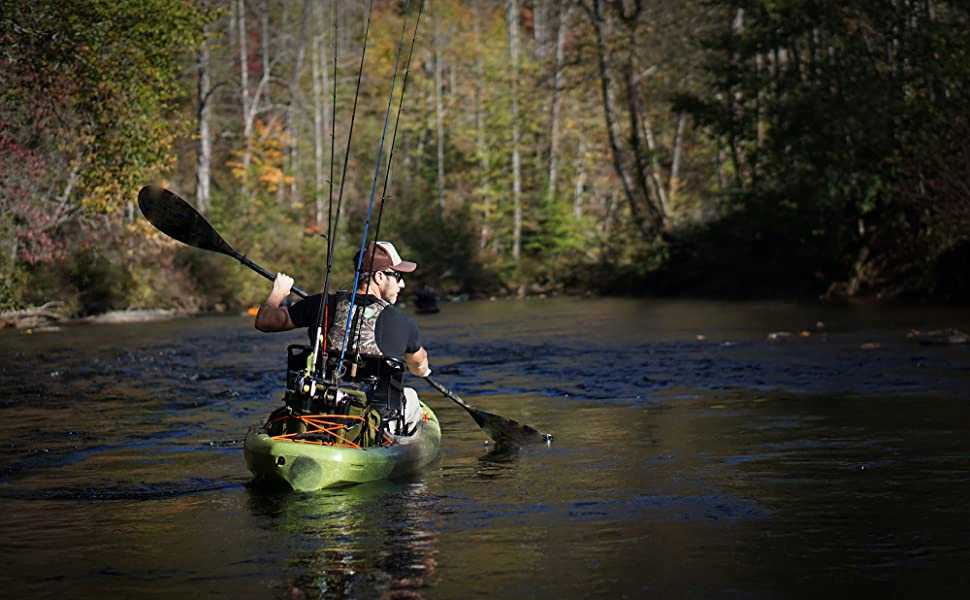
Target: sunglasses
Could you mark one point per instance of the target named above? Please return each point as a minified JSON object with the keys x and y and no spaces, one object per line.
{"x":395,"y":274}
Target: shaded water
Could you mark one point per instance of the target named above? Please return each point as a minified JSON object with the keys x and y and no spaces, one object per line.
{"x":729,"y":465}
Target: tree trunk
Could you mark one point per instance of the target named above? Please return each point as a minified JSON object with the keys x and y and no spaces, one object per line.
{"x":247,"y":111}
{"x":580,"y":184}
{"x":204,"y":153}
{"x":734,"y":100}
{"x":439,"y":110}
{"x":484,"y":230}
{"x":563,"y":29}
{"x":264,"y":38}
{"x":673,"y":184}
{"x":250,"y":101}
{"x":539,"y":26}
{"x":655,"y":174}
{"x":647,"y":216}
{"x":759,"y":116}
{"x":513,"y":25}
{"x":328,"y":89}
{"x":317,"y":73}
{"x":719,"y":165}
{"x":292,"y":126}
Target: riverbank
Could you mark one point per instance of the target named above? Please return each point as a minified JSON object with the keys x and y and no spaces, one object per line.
{"x":50,"y":316}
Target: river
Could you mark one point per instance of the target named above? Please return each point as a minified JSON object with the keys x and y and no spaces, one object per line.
{"x":699,"y":452}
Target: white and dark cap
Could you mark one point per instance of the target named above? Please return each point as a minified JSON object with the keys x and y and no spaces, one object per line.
{"x":383,"y":256}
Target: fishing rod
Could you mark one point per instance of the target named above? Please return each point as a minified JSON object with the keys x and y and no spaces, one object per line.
{"x":370,"y":207}
{"x":331,"y":227}
{"x":333,"y":134}
{"x":316,"y":356}
{"x":397,"y":120}
{"x":390,"y":155}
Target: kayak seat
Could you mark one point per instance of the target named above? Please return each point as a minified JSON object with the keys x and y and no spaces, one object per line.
{"x":381,"y":378}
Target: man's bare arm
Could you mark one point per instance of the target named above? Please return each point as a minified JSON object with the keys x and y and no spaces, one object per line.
{"x":418,"y":363}
{"x":272,"y":316}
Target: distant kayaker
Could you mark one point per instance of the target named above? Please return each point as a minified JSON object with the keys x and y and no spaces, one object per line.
{"x":385,"y":330}
{"x":425,"y":299}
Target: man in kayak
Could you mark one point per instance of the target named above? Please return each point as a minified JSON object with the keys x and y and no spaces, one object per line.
{"x":378,"y":329}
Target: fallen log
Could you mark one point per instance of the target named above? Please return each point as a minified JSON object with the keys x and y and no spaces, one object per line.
{"x":35,"y":316}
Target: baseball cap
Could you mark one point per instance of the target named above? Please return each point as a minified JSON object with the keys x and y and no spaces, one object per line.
{"x":385,"y":257}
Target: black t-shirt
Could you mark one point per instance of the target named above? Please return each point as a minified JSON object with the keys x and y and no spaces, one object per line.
{"x":395,"y":333}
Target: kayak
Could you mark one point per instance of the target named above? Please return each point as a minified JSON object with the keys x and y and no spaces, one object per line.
{"x":313,"y":466}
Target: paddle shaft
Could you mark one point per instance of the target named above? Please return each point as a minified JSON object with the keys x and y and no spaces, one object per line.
{"x":449,"y":394}
{"x":255,"y":267}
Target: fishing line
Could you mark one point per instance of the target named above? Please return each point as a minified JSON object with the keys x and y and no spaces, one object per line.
{"x":390,"y":154}
{"x":377,"y":172}
{"x":323,"y":325}
{"x":332,"y":226}
{"x":333,"y":137}
{"x":397,"y":121}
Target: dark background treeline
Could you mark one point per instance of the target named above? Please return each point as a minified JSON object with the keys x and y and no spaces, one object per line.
{"x":787,"y":148}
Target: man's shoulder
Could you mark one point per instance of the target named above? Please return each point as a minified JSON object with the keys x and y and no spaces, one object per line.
{"x":309,"y":301}
{"x":302,"y":313}
{"x":393,"y":313}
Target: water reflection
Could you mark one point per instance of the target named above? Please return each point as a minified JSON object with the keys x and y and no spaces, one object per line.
{"x":374,"y":540}
{"x":497,"y":460}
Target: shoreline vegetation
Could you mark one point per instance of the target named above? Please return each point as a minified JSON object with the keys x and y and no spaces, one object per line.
{"x":715,"y":149}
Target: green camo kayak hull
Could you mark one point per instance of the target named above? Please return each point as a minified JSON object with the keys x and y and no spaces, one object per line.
{"x":308,"y":467}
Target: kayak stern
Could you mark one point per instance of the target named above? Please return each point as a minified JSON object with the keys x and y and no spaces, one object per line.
{"x":308,"y":467}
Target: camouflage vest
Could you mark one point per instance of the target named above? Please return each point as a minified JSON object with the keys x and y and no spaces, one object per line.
{"x":362,"y":329}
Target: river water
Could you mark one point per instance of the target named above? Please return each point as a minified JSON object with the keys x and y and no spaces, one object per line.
{"x":694,"y":456}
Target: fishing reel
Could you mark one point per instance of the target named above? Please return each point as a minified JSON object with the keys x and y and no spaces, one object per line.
{"x":310,"y":392}
{"x":302,"y":384}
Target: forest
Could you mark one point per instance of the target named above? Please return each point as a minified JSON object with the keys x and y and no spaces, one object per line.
{"x":796,"y":149}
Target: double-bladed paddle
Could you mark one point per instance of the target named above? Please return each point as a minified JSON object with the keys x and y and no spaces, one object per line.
{"x":176,"y":218}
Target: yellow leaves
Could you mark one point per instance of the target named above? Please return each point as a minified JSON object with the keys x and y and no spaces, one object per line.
{"x":102,"y":195}
{"x":141,"y":233}
{"x":676,"y":185}
{"x":265,"y":157}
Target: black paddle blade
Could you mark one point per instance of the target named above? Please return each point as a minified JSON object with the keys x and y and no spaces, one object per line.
{"x":508,"y":431}
{"x":499,"y":428}
{"x":177,"y":219}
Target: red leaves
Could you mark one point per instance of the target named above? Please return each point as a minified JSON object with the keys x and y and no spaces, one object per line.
{"x":33,"y":220}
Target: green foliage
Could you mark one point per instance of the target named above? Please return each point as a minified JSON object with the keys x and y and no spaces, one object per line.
{"x":89,"y":91}
{"x":849,"y":90}
{"x":89,"y":282}
{"x":627,"y":264}
{"x":114,"y":67}
{"x":13,"y":278}
{"x":103,"y":282}
{"x":830,"y":138}
{"x":445,"y":247}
